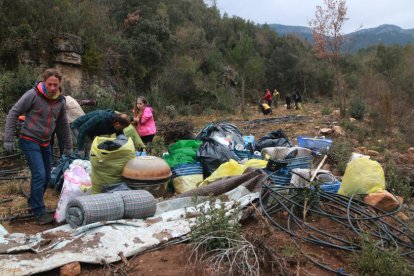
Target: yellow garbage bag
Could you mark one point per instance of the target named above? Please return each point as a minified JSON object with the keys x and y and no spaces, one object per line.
{"x":362,"y":176}
{"x":107,"y":166}
{"x":232,"y":168}
{"x":256,"y":163}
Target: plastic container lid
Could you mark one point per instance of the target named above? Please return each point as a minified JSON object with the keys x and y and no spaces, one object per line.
{"x":146,"y":168}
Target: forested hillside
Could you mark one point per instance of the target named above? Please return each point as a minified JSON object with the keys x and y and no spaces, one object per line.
{"x":180,"y":49}
{"x":183,"y":53}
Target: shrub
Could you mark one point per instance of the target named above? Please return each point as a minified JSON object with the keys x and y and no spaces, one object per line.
{"x":340,"y":154}
{"x":185,"y":110}
{"x":171,"y":111}
{"x":375,"y":261}
{"x":217,"y":243}
{"x":14,"y":84}
{"x":352,"y":127}
{"x":357,"y":109}
{"x":397,"y":184}
{"x":157,"y":146}
{"x":214,"y":220}
{"x":326,"y":111}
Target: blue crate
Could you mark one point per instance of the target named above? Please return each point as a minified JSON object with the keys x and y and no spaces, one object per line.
{"x":299,"y":163}
{"x":248,"y":139}
{"x":284,"y":175}
{"x":330,"y":187}
{"x":187,"y":169}
{"x":243,"y":154}
{"x":318,"y":144}
{"x":280,"y":177}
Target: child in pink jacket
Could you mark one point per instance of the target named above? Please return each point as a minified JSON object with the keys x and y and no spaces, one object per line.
{"x":145,"y":120}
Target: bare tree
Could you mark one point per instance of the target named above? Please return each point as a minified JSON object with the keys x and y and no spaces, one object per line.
{"x":329,"y":40}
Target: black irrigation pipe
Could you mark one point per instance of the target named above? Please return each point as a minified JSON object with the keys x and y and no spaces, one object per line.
{"x":310,"y":258}
{"x":297,"y":220}
{"x":5,"y":200}
{"x":11,"y":171}
{"x":13,"y":178}
{"x":22,"y":216}
{"x":12,"y":155}
{"x":273,"y":120}
{"x":356,"y":216}
{"x":386,"y":224}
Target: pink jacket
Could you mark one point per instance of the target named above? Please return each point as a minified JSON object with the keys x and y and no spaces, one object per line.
{"x":146,"y":125}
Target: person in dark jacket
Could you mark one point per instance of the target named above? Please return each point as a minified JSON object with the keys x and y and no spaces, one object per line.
{"x":44,"y":110}
{"x":298,"y":99}
{"x":287,"y":102}
{"x":98,"y":122}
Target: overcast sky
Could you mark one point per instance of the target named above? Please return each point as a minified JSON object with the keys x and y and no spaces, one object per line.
{"x":368,"y":13}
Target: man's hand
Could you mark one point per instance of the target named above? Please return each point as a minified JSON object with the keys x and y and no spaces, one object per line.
{"x":9,"y":147}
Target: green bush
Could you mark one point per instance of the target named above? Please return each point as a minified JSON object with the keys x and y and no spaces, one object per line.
{"x":352,"y":127}
{"x":217,"y":244}
{"x":357,"y":109}
{"x":375,"y":261}
{"x":13,"y":84}
{"x":213,"y":221}
{"x":340,"y":154}
{"x":185,"y":110}
{"x":157,"y":146}
{"x":397,"y":184}
{"x":326,"y":111}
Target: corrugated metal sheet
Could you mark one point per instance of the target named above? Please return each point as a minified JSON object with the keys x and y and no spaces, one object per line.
{"x":96,"y":243}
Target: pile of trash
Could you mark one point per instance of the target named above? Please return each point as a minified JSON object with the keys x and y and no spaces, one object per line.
{"x":121,"y":186}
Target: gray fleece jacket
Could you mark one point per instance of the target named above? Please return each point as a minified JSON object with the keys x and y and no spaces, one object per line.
{"x":43,"y":116}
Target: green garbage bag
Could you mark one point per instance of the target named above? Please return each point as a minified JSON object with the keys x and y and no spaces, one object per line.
{"x":107,"y":166}
{"x":178,"y":159}
{"x":182,"y":152}
{"x":184,"y":144}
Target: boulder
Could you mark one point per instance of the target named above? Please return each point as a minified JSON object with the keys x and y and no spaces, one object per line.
{"x":338,"y":131}
{"x":402,"y":216}
{"x":68,"y":43}
{"x":382,"y":200}
{"x":362,"y":149}
{"x":411,"y":150}
{"x":372,"y":153}
{"x":352,"y":120}
{"x":71,"y":269}
{"x":69,"y":58}
{"x":325,"y":131}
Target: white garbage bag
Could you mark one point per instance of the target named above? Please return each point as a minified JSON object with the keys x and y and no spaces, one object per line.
{"x":77,"y":182}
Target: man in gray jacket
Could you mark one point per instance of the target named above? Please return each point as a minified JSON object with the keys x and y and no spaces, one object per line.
{"x":44,"y":108}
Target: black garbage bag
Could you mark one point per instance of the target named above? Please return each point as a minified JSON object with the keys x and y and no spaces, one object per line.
{"x":223,"y":130}
{"x":115,"y":144}
{"x":273,"y":139}
{"x":212,"y":154}
{"x":56,"y":177}
{"x":121,"y":186}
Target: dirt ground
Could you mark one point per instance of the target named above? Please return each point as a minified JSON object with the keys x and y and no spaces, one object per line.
{"x":173,"y":260}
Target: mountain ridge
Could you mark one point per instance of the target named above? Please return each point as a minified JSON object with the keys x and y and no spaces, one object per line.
{"x":387,"y":34}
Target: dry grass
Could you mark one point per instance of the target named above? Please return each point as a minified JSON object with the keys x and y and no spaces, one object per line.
{"x":238,"y":258}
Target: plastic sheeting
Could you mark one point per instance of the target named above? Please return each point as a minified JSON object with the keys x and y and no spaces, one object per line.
{"x":22,"y":254}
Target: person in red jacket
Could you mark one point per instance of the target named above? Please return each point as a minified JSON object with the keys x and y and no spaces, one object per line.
{"x":144,"y":119}
{"x":268,"y":97}
{"x":45,"y":112}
